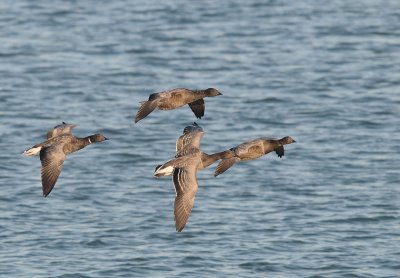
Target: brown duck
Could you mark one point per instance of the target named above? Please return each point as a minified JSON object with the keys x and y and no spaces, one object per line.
{"x":184,"y":167}
{"x":54,"y":151}
{"x":175,"y":98}
{"x":252,"y":150}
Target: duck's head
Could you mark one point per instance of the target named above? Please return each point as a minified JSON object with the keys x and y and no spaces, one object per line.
{"x":212,"y":92}
{"x":97,"y":138}
{"x":288,"y":140}
{"x":192,"y":127}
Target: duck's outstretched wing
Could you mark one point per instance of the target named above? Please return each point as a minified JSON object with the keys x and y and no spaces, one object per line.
{"x":189,"y":140}
{"x":185,"y":183}
{"x":280,"y":151}
{"x":225,"y":164}
{"x":183,"y":140}
{"x":198,"y":108}
{"x":52,"y":159}
{"x":145,"y":109}
{"x":63,"y":128}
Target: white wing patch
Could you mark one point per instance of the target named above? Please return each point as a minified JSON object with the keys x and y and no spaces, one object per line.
{"x":32,"y":151}
{"x":164,"y":171}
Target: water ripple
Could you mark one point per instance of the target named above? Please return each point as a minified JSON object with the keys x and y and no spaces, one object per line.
{"x":323,"y":74}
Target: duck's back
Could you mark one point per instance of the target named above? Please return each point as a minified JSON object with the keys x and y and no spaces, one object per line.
{"x":255,"y":148}
{"x":176,"y":98}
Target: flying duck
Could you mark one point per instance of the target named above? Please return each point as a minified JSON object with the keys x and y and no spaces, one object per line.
{"x":252,"y":150}
{"x":54,"y":151}
{"x":184,"y":169}
{"x":175,"y":98}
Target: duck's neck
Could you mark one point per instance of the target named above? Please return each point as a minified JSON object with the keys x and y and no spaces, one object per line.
{"x":77,"y":144}
{"x":201,"y":93}
{"x":282,"y":141}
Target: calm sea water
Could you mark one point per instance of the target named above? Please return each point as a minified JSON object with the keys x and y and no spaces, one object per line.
{"x":327,"y":74}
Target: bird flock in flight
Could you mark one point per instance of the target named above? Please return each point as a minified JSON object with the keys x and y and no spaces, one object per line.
{"x":183,"y":167}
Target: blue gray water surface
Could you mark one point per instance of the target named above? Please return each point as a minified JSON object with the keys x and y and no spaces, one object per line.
{"x":327,"y":74}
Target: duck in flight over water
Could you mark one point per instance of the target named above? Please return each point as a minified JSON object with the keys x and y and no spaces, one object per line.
{"x":184,"y":167}
{"x":175,"y":98}
{"x":252,"y":150}
{"x":53,"y":152}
